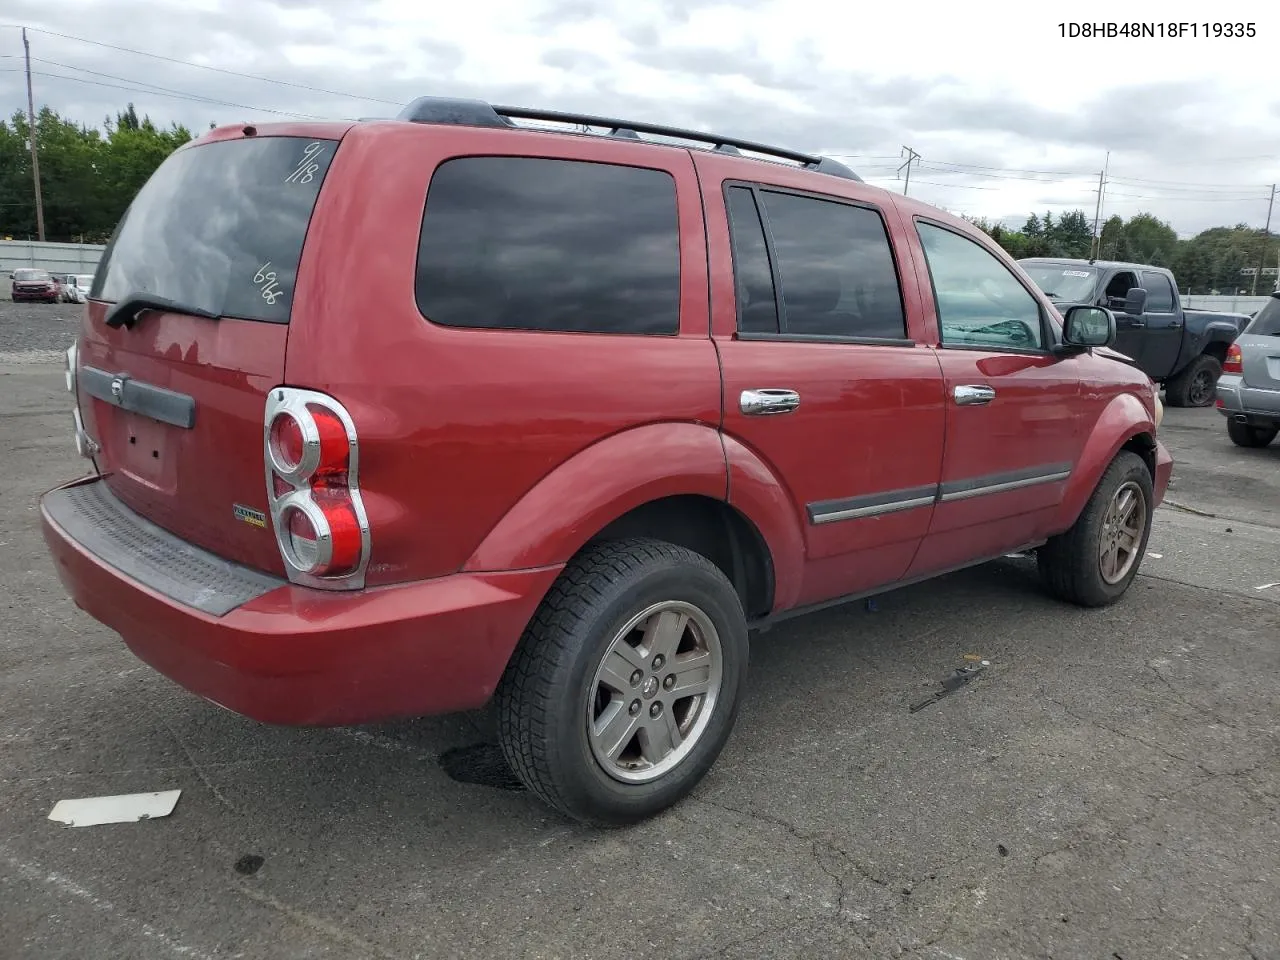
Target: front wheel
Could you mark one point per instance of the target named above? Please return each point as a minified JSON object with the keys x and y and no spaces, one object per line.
{"x":1093,"y":563}
{"x":625,"y":686}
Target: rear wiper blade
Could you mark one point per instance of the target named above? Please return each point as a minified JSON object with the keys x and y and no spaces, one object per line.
{"x":124,"y":313}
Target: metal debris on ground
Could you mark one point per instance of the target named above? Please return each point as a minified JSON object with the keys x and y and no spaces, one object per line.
{"x":125,"y":808}
{"x":952,"y":682}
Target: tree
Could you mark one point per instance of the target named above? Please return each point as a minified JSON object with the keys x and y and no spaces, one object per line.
{"x":87,"y":178}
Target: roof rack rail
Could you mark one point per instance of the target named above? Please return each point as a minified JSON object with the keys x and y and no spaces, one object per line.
{"x":479,"y":113}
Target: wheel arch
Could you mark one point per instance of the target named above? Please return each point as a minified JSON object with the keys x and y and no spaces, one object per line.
{"x":1125,"y":424}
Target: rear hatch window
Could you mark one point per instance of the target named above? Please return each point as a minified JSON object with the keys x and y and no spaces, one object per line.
{"x":176,"y":403}
{"x":1266,"y":322}
{"x":220,"y":227}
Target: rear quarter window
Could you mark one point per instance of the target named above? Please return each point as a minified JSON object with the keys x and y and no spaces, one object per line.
{"x":525,"y":243}
{"x":220,"y":226}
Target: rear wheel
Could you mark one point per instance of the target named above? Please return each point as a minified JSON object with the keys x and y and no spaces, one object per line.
{"x":1245,"y":435}
{"x":1093,"y":563}
{"x":625,"y":686}
{"x":1196,"y":384}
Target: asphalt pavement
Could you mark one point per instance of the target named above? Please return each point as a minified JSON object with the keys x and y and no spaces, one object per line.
{"x":1106,"y":788}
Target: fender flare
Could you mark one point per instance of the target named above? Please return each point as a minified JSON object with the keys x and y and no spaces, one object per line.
{"x":756,"y":492}
{"x":1124,"y":418}
{"x":596,"y":486}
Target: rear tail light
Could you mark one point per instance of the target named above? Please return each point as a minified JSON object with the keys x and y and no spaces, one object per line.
{"x":313,"y":487}
{"x":1235,"y":360}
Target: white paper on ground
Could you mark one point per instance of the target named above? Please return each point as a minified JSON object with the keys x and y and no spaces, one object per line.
{"x":126,"y":808}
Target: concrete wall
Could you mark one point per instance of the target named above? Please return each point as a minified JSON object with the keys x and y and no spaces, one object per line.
{"x":54,"y":257}
{"x":1224,"y":304}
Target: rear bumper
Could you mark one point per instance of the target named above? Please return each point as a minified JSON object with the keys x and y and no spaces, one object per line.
{"x":1235,"y":399}
{"x":292,"y":655}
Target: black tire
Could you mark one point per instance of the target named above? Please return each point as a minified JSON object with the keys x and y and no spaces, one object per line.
{"x":1070,"y":564}
{"x":1195,"y":384}
{"x":1244,"y":435}
{"x":543,"y":697}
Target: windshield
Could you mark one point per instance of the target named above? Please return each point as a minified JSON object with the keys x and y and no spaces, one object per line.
{"x":30,"y":275}
{"x":1066,"y":282}
{"x":219,"y":227}
{"x":1266,"y":322}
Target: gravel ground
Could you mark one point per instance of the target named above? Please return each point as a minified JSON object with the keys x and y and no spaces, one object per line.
{"x":1107,"y":789}
{"x":36,"y":332}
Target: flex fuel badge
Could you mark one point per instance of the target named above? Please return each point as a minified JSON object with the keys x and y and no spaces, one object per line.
{"x":250,"y":515}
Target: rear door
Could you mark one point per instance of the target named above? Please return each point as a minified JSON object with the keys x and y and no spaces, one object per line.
{"x":1013,"y":434}
{"x":822,"y":377}
{"x":176,"y":401}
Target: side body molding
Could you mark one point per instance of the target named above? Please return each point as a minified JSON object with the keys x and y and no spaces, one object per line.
{"x":581,"y":496}
{"x":1122,"y":419}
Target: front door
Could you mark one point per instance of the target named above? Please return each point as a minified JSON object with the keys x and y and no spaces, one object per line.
{"x":1012,"y":430}
{"x":822,"y":379}
{"x":1131,"y":331}
{"x":1162,"y":335}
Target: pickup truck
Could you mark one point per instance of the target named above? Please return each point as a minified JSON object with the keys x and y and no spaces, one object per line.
{"x":1181,"y":349}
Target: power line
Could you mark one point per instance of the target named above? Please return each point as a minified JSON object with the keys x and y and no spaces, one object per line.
{"x":202,"y":66}
{"x":183,"y":94}
{"x":176,"y":96}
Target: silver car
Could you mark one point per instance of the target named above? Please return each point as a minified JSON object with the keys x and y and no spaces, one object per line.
{"x":1249,"y":389}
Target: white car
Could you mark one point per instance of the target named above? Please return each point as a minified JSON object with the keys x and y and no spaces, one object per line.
{"x":77,"y":290}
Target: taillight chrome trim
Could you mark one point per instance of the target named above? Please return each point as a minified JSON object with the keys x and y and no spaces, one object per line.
{"x":294,"y":401}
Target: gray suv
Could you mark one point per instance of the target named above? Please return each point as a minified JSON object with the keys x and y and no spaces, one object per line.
{"x":1249,"y":389}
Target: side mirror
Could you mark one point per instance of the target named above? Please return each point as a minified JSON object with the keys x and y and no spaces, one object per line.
{"x":1135,"y":302}
{"x":1085,"y":326}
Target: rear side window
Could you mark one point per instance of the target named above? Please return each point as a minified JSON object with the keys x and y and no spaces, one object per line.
{"x":1266,"y":323}
{"x":220,"y":227}
{"x":1159,"y":292}
{"x":757,"y":304}
{"x":524,"y":243}
{"x":833,"y":263}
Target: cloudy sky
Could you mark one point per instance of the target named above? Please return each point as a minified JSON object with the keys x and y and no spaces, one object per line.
{"x":1007,"y":115}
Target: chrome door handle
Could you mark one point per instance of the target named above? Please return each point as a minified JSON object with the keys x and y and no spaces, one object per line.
{"x":768,"y":401}
{"x":970,"y":395}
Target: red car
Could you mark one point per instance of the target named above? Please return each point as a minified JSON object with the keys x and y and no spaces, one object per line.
{"x":447,"y":409}
{"x":35,"y":285}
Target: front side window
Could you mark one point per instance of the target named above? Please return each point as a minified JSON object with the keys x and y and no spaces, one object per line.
{"x":980,"y":302}
{"x":524,"y":243}
{"x":1159,"y":292}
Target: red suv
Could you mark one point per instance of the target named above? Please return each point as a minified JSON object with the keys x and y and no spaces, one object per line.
{"x":447,"y":409}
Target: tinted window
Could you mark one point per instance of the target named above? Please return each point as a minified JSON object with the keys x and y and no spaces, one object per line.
{"x":757,"y":307}
{"x":220,"y":227}
{"x":1159,"y":292}
{"x":835,"y":267}
{"x":980,"y":302}
{"x":1267,"y":321}
{"x":532,"y":244}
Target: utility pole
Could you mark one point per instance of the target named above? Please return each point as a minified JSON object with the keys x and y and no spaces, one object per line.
{"x":1095,"y":247}
{"x":911,"y":156}
{"x":1266,"y":235}
{"x":31,"y":135}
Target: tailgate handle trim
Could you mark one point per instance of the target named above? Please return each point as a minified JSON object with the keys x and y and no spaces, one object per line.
{"x":121,"y":390}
